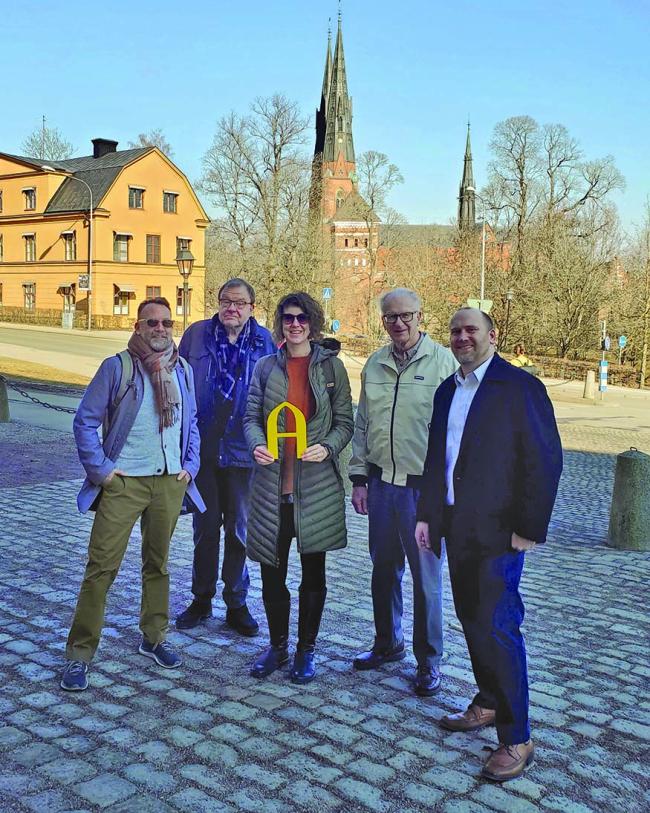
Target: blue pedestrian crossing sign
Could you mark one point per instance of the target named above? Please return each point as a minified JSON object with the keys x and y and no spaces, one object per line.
{"x":622,"y":341}
{"x":327,"y":293}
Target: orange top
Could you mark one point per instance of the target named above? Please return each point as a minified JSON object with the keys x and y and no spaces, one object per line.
{"x":301,"y":396}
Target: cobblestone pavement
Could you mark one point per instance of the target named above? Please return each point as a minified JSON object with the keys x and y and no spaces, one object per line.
{"x":208,"y":738}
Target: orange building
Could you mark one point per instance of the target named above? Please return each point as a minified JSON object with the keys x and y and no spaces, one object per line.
{"x":143,"y":211}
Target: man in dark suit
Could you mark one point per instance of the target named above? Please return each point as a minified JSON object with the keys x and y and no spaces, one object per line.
{"x":491,"y":476}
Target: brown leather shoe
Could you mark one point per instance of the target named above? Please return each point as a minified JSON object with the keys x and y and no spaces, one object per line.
{"x":508,"y":761}
{"x":471,"y":719}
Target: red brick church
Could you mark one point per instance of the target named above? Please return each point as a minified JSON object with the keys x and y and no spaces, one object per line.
{"x":352,"y":232}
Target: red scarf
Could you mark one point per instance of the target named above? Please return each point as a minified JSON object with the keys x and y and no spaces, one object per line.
{"x":160,"y":365}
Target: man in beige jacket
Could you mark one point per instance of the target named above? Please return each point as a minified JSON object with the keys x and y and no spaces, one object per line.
{"x":389,"y":447}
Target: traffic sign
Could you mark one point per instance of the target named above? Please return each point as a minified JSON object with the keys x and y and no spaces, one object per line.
{"x":336,"y":325}
{"x":327,"y":293}
{"x":84,"y":282}
{"x":622,"y":341}
{"x":608,"y":343}
{"x":484,"y":305}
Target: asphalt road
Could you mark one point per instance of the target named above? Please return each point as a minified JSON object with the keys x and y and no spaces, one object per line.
{"x":71,"y":343}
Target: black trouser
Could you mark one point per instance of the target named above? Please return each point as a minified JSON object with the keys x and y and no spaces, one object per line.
{"x":274,"y":579}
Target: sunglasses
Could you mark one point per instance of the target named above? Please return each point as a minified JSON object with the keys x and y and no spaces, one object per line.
{"x":237,"y":303}
{"x":289,"y":318}
{"x":155,"y":322}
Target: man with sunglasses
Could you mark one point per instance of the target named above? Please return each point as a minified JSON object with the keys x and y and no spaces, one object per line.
{"x":148,"y":457}
{"x":223,"y":351}
{"x":389,"y":448}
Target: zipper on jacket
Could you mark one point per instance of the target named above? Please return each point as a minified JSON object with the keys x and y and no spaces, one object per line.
{"x":392,"y":424}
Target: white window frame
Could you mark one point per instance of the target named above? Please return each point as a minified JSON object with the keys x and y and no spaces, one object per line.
{"x":136,"y":198}
{"x":29,"y":296}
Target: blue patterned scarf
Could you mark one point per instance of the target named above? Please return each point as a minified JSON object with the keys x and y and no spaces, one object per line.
{"x":234,"y":360}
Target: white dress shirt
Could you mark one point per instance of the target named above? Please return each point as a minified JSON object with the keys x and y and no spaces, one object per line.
{"x":466,"y":388}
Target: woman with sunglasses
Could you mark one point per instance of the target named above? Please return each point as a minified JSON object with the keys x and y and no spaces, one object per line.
{"x":297,"y":497}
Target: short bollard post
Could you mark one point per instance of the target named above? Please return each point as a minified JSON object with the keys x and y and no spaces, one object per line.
{"x":4,"y":403}
{"x":629,"y":518}
{"x":590,"y":385}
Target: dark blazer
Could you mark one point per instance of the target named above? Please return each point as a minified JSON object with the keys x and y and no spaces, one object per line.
{"x":508,"y":467}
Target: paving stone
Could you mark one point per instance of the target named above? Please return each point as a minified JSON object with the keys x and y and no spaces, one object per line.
{"x":105,"y":790}
{"x":52,"y":801}
{"x":256,"y":773}
{"x":217,"y":753}
{"x":158,"y":782}
{"x":501,"y":799}
{"x":67,"y":770}
{"x":363,"y":793}
{"x":10,"y":736}
{"x":423,"y":794}
{"x":304,"y":765}
{"x":304,"y":795}
{"x":193,"y":800}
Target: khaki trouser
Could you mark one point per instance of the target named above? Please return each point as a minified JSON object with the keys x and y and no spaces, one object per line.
{"x":157,"y":500}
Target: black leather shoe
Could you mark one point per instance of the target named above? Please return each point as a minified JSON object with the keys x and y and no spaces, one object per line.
{"x":428,"y":681}
{"x":197,"y":612}
{"x":240,"y":619}
{"x":375,"y":658}
{"x":271,"y":659}
{"x":304,"y":668}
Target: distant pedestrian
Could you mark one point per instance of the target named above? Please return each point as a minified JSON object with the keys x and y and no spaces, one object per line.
{"x":302,"y":498}
{"x":492,"y":471}
{"x":149,"y":456}
{"x":223,"y":351}
{"x":389,"y":445}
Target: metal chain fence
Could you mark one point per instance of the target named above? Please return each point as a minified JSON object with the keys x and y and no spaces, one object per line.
{"x":55,"y":407}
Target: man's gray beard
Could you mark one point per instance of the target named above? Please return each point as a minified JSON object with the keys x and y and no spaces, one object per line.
{"x":159,"y":344}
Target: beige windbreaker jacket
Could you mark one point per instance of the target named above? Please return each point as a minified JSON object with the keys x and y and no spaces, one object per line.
{"x":392,"y":425}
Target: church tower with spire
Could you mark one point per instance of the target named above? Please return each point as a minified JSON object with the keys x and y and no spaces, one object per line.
{"x":334,"y":161}
{"x":467,"y":196}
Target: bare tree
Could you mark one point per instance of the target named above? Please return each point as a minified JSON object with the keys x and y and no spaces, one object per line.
{"x":153,"y":138}
{"x":258,"y":176}
{"x":47,"y":143}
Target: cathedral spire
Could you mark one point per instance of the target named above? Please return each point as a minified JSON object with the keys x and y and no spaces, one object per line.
{"x":321,"y":113}
{"x":338,"y":135}
{"x":467,"y":196}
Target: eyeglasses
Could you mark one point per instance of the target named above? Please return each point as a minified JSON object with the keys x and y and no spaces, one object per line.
{"x":155,"y":322}
{"x":237,"y":303}
{"x":290,"y":318}
{"x":391,"y":318}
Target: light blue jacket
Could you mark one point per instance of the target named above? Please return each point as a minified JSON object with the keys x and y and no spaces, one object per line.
{"x":96,"y":409}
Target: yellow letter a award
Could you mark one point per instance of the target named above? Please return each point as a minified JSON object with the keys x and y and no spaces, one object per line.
{"x":272,"y":433}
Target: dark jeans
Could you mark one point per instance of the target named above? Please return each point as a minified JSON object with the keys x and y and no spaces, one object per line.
{"x":391,"y":539}
{"x":274,"y":579}
{"x":225,"y":493}
{"x":488,"y":605}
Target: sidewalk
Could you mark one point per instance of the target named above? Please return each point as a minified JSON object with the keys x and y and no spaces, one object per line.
{"x":209,"y":738}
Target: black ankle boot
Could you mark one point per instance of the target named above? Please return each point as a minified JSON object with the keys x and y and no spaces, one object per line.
{"x":277,"y":615}
{"x":309,"y":618}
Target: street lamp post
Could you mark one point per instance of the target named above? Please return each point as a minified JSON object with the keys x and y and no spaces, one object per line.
{"x":90,"y":236}
{"x":476,"y":195}
{"x":509,"y":297}
{"x":185,"y":261}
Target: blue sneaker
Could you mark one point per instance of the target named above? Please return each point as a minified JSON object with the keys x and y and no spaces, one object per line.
{"x":162,"y":653}
{"x":75,"y":677}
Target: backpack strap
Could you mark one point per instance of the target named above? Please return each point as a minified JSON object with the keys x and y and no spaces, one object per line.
{"x":127,"y":376}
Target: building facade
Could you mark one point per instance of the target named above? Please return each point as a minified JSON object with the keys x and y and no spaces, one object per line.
{"x":143,"y":211}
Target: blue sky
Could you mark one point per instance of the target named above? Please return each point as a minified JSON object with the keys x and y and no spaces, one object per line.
{"x":416,"y":69}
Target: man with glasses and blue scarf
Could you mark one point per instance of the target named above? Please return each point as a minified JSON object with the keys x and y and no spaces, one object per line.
{"x":389,"y":448}
{"x":222,"y":352}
